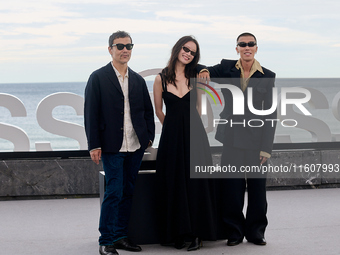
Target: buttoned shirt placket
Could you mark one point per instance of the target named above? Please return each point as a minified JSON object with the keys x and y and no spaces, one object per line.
{"x":130,"y":139}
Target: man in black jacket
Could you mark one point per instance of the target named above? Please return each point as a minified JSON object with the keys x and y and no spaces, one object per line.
{"x":247,"y":141}
{"x":119,"y":125}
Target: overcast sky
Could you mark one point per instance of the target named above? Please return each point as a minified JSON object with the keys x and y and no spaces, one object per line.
{"x":65,"y":40}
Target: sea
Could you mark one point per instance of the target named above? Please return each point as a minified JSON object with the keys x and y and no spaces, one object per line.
{"x":31,"y":94}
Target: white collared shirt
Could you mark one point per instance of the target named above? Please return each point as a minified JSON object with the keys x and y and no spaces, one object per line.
{"x":130,"y":139}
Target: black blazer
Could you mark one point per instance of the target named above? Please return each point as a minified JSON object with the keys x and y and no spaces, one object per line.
{"x":257,"y":138}
{"x":104,"y":110}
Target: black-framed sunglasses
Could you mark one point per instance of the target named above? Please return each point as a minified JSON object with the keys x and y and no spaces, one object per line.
{"x":243,"y":44}
{"x":121,"y":46}
{"x":193,"y":53}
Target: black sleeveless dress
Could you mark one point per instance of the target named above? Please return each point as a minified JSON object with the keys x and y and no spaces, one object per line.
{"x":186,"y":206}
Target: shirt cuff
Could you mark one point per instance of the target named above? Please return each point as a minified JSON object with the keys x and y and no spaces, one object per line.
{"x":99,"y":148}
{"x":265,"y":154}
{"x":205,"y":70}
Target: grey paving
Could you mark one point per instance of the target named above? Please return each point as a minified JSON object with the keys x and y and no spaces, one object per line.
{"x":300,"y":222}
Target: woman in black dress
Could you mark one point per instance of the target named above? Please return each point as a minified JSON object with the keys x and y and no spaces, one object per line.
{"x":187,"y":208}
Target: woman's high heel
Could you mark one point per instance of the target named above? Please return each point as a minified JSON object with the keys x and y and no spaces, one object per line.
{"x":195,"y":244}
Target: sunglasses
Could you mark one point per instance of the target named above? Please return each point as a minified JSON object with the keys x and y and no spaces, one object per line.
{"x":121,"y":46}
{"x":193,"y":53}
{"x":243,"y":44}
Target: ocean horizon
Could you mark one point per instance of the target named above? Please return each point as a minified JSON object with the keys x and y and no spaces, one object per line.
{"x":30,"y":94}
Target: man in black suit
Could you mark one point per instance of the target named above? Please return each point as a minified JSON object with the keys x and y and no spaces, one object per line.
{"x":119,"y":125}
{"x":247,"y":141}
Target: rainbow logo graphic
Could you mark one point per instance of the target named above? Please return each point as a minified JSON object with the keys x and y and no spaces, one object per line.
{"x":209,"y":93}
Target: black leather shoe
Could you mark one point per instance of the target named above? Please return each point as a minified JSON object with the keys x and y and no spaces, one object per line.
{"x":234,"y":242}
{"x":195,"y":244}
{"x":126,"y":244}
{"x":107,"y":250}
{"x":259,"y":241}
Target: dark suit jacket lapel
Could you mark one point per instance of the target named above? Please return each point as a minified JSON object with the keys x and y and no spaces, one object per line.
{"x":131,"y":80}
{"x":255,"y":79}
{"x":113,"y":77}
{"x":235,"y":75}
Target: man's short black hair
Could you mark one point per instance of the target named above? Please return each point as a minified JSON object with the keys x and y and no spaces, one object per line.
{"x":118,"y":34}
{"x":246,"y":34}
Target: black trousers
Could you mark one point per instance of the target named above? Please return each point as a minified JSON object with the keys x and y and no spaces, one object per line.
{"x":231,"y":194}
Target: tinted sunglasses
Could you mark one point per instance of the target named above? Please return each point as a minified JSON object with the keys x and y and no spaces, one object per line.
{"x":121,"y":46}
{"x":243,"y":44}
{"x":193,"y":53}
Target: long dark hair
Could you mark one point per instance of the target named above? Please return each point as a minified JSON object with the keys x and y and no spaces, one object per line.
{"x":168,"y":72}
